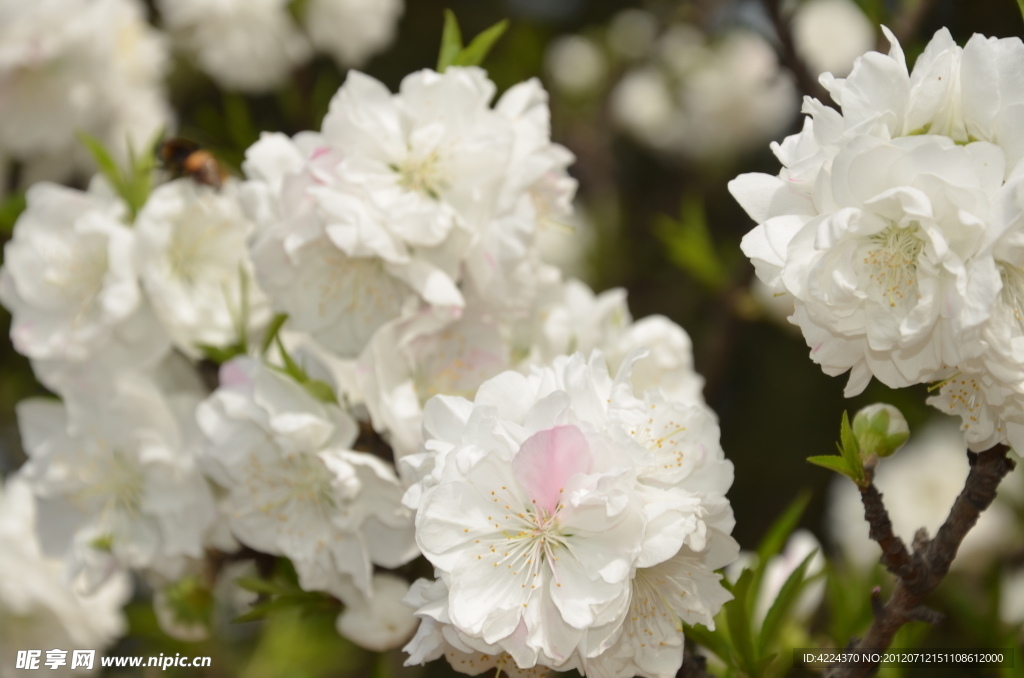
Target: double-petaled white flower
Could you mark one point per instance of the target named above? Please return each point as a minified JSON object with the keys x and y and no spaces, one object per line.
{"x":547,"y":502}
{"x":248,"y":45}
{"x":294,"y":485}
{"x":78,"y":65}
{"x":194,"y":265}
{"x":352,"y":31}
{"x":114,"y":469}
{"x":39,"y":607}
{"x":69,"y":280}
{"x":398,"y":196}
{"x":883,"y":224}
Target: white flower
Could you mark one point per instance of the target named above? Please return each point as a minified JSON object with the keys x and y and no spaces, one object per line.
{"x":669,"y":365}
{"x":1011,"y":597}
{"x":381,"y":622}
{"x":38,"y":607}
{"x":192,"y":257}
{"x":78,"y":65}
{"x":436,"y":637}
{"x":248,"y":45}
{"x":632,"y":33}
{"x":118,"y":470}
{"x":831,"y":34}
{"x":352,"y":31}
{"x":399,"y":194}
{"x":295,"y":487}
{"x":799,"y":545}
{"x":704,"y":100}
{"x":577,"y":66}
{"x":920,"y":484}
{"x":69,"y":281}
{"x":412,"y":359}
{"x":538,"y":501}
{"x":922,"y":154}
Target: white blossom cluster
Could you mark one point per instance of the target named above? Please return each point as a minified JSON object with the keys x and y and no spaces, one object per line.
{"x":254,"y":45}
{"x":705,"y":99}
{"x":375,"y":284}
{"x":896,"y":226}
{"x":71,"y":66}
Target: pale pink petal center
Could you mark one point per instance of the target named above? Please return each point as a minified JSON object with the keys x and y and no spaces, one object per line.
{"x":547,"y":459}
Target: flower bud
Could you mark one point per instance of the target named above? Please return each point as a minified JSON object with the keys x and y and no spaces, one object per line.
{"x":880,"y":430}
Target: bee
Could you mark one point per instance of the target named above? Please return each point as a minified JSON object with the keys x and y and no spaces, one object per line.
{"x":187,"y":158}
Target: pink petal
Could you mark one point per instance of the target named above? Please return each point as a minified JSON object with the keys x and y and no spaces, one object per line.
{"x":547,"y":459}
{"x":233,"y":373}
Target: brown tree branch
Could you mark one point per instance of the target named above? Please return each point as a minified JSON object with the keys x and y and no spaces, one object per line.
{"x":919,"y":574}
{"x":806,"y":81}
{"x":694,"y":666}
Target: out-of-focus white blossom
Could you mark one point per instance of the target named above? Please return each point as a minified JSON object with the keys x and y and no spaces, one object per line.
{"x":553,"y":503}
{"x":192,"y":258}
{"x":1011,"y":597}
{"x":576,"y":64}
{"x":295,"y":486}
{"x":381,"y":622}
{"x":117,"y":472}
{"x":632,"y":33}
{"x":68,"y":66}
{"x":352,"y":31}
{"x":70,"y":282}
{"x":706,"y":100}
{"x":920,"y":484}
{"x":831,"y":34}
{"x":39,"y":609}
{"x":800,"y":545}
{"x":247,"y":45}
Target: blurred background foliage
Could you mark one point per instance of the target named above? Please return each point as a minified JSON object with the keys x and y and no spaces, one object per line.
{"x":662,"y":226}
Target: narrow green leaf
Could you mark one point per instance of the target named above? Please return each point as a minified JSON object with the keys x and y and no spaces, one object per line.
{"x":320,"y":390}
{"x":783,"y":604}
{"x":832,"y":463}
{"x":291,"y":367}
{"x":477,"y":50}
{"x":239,"y":121}
{"x":1020,"y":5}
{"x":851,"y":450}
{"x":242,"y":331}
{"x":220,"y":354}
{"x":272,"y":329}
{"x":11,"y":208}
{"x":257,"y":585}
{"x":738,"y":620}
{"x":716,"y":641}
{"x":108,"y":168}
{"x":451,"y":42}
{"x":783,"y":526}
{"x":689,"y":244}
{"x":775,"y":539}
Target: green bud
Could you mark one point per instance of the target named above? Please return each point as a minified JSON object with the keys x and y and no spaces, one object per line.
{"x":184,"y":609}
{"x":880,"y":430}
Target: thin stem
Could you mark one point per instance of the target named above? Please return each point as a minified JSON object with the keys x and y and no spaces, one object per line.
{"x":919,"y":574}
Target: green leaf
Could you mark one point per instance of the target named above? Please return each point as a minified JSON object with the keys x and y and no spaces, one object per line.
{"x":783,"y":604}
{"x":783,"y":526}
{"x":833,"y":463}
{"x":257,"y":585}
{"x":11,"y":208}
{"x":850,"y":449}
{"x":220,"y":354}
{"x":321,"y":390}
{"x":451,"y":42}
{"x":738,"y":620}
{"x":1020,"y":5}
{"x":272,"y":329}
{"x":689,"y":243}
{"x":477,"y":50}
{"x":291,"y":368}
{"x":716,"y":641}
{"x":108,"y":168}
